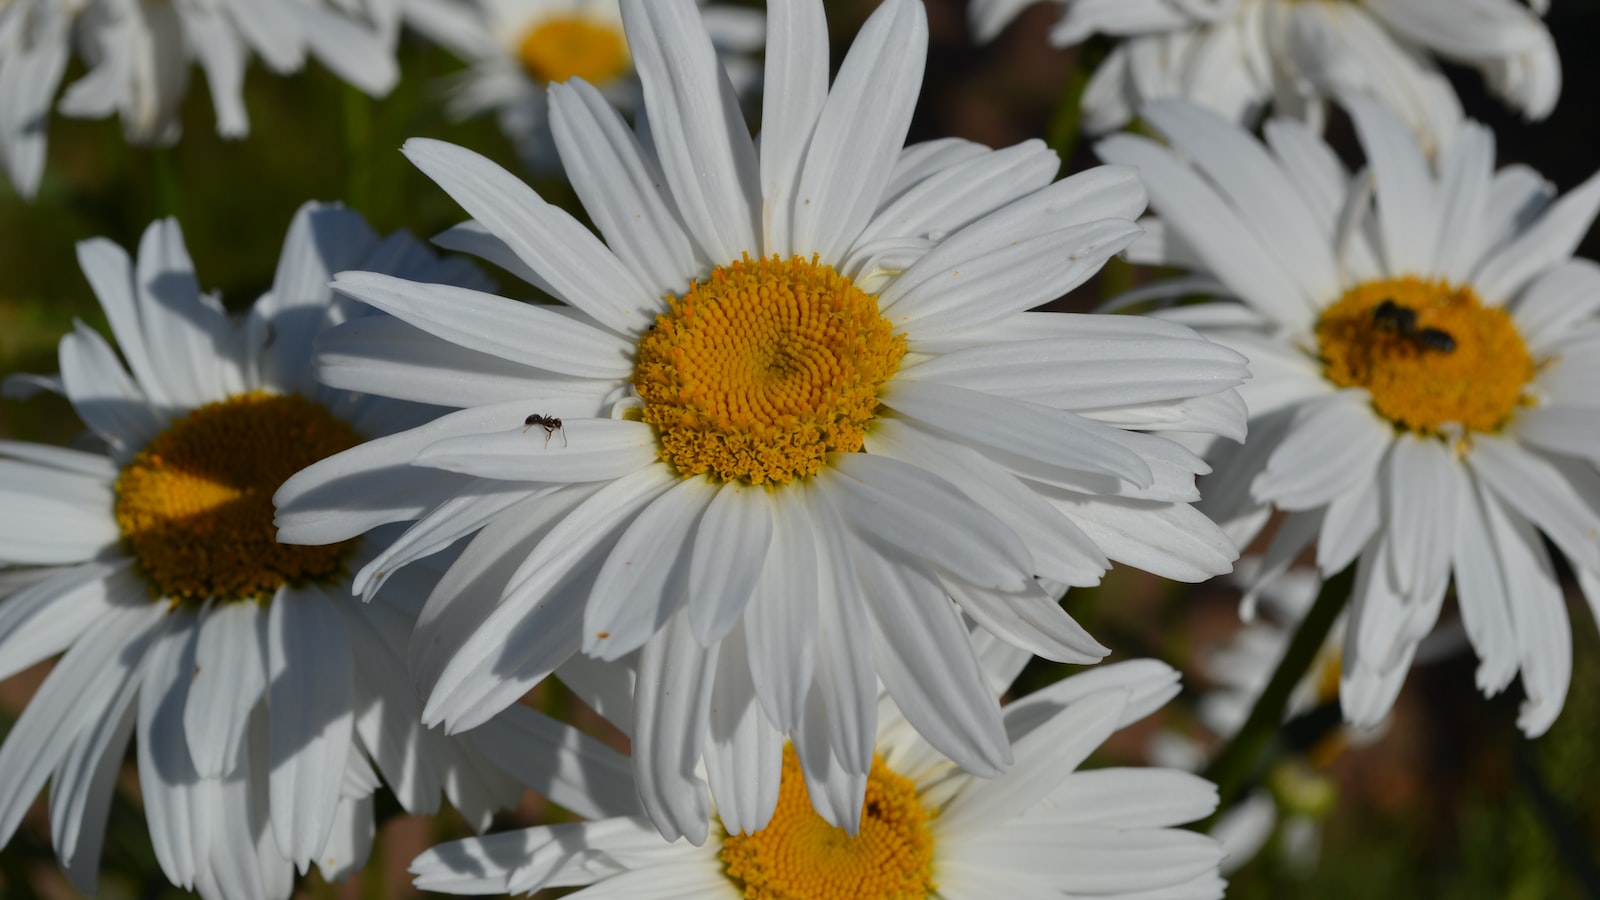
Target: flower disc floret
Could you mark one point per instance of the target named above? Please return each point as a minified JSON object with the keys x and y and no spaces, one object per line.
{"x":563,"y":47}
{"x":195,"y":505}
{"x":799,"y":856}
{"x":759,"y":372}
{"x":1428,"y":352}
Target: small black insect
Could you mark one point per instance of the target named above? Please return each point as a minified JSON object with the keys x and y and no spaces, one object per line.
{"x":1435,"y":340}
{"x":551,"y":425}
{"x":1391,"y":316}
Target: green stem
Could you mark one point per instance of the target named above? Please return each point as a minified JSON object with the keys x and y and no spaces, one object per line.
{"x":1236,"y":766}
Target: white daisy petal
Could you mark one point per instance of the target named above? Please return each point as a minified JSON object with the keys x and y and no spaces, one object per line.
{"x":1090,"y":860}
{"x":475,"y":506}
{"x":846,"y":682}
{"x":1534,"y":487}
{"x":45,"y":618}
{"x":673,"y":701}
{"x":186,"y":335}
{"x":1333,"y":447}
{"x":571,"y":261}
{"x":1467,"y":173}
{"x":1017,"y":428}
{"x":472,"y":237}
{"x":82,"y":788}
{"x":781,"y":634}
{"x":1172,"y":540}
{"x":369,"y":353}
{"x":1194,"y":210}
{"x":1352,"y":519}
{"x":1131,"y":798}
{"x":1148,"y":683}
{"x":1556,"y":301}
{"x":1047,"y":755}
{"x":881,"y":497}
{"x":1481,"y":590}
{"x":180,"y":828}
{"x":230,"y":678}
{"x":1091,"y":372}
{"x":101,"y":393}
{"x":110,"y":275}
{"x":1550,"y":240}
{"x":321,"y":241}
{"x":744,"y":753}
{"x":640,"y":585}
{"x":1376,"y":655}
{"x":705,"y":150}
{"x":1538,"y":617}
{"x":1061,"y":552}
{"x":953,"y":197}
{"x":511,"y":651}
{"x":1422,"y":508}
{"x":350,"y":840}
{"x":517,"y":332}
{"x":1568,"y":431}
{"x":560,"y":763}
{"x":860,"y":130}
{"x":731,"y":545}
{"x":309,"y":696}
{"x":593,"y":450}
{"x":93,"y":465}
{"x":1244,"y":170}
{"x":1032,"y":620}
{"x":795,"y":87}
{"x":471,"y":589}
{"x":621,"y":188}
{"x":928,"y":666}
{"x":947,"y":293}
{"x":80,"y":688}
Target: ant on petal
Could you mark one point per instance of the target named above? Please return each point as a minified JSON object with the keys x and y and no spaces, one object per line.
{"x":551,"y":425}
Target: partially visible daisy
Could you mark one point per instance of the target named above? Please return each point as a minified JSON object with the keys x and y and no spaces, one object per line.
{"x":1423,"y":400}
{"x":266,"y":702}
{"x":928,"y":830}
{"x":802,"y":406}
{"x":1239,"y":57}
{"x":518,"y":48}
{"x":138,"y":53}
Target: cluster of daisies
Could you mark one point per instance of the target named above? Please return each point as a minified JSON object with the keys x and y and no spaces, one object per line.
{"x":789,"y":477}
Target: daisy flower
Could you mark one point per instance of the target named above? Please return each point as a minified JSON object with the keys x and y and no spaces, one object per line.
{"x":1240,"y":56}
{"x":928,"y":829}
{"x":1423,"y":347}
{"x":137,"y":56}
{"x":801,"y":405}
{"x":266,"y":703}
{"x":516,"y":49}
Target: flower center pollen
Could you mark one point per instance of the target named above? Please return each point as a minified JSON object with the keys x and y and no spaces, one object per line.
{"x":563,"y":47}
{"x":1428,"y":352}
{"x":765,"y":368}
{"x":195,"y":505}
{"x":799,"y":856}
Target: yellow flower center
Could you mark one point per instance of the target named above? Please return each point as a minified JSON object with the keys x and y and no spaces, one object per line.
{"x":799,"y":856}
{"x":763,"y":369}
{"x":563,"y":47}
{"x":1428,"y":352}
{"x":195,"y":505}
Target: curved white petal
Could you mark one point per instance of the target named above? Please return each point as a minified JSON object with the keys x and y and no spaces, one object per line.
{"x":310,"y":698}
